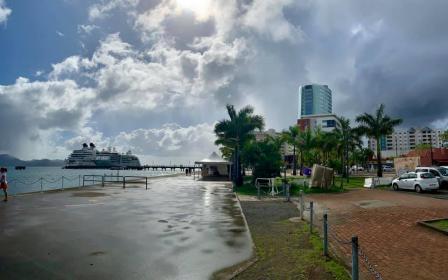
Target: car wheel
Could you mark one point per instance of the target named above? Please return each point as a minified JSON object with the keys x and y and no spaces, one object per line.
{"x":418,"y":189}
{"x":395,"y":187}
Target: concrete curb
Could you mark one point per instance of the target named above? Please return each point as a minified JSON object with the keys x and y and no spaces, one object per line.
{"x":244,"y":265}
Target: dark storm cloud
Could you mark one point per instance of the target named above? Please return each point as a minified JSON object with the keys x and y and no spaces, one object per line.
{"x":61,"y":118}
{"x":398,"y":53}
{"x":15,"y":128}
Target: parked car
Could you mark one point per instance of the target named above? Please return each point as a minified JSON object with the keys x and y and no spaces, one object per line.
{"x":387,"y":168}
{"x":355,"y":168}
{"x":420,"y":181}
{"x":440,"y":173}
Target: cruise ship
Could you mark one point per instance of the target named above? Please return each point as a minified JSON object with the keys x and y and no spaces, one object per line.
{"x":90,"y":157}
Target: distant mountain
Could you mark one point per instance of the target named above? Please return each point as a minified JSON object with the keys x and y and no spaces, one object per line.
{"x":7,"y":160}
{"x":44,"y":162}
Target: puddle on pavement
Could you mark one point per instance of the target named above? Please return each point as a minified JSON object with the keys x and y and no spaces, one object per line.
{"x":88,"y":194}
{"x":97,"y":253}
{"x":366,"y":204}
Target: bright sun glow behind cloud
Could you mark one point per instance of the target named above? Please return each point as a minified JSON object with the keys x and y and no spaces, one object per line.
{"x":201,"y":8}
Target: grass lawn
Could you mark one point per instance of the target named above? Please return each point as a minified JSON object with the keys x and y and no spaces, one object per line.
{"x":285,"y":249}
{"x":442,"y":224}
{"x":297,"y":184}
{"x":353,"y":183}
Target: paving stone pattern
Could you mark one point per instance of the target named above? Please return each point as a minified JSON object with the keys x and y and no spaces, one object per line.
{"x":395,"y":243}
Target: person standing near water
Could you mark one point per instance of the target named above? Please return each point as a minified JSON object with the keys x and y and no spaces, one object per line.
{"x":3,"y":182}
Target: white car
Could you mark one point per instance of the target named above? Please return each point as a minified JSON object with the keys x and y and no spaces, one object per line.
{"x":440,"y":173}
{"x":387,"y":168}
{"x":355,"y":168}
{"x":421,"y":181}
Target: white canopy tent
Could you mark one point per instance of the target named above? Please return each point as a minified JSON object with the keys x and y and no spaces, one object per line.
{"x":214,"y":167}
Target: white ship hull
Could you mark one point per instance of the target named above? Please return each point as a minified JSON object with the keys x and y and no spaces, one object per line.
{"x":89,"y":157}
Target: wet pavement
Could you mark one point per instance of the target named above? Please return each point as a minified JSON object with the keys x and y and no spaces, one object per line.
{"x":178,"y":229}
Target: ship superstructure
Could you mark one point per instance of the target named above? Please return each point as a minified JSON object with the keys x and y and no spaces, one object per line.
{"x":90,"y":157}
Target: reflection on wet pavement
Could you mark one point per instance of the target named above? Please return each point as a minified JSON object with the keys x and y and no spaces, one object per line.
{"x":179,"y":229}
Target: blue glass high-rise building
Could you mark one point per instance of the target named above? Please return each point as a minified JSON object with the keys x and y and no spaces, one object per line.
{"x":315,"y":99}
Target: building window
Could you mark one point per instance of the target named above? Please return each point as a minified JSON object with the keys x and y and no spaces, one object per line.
{"x":329,"y":123}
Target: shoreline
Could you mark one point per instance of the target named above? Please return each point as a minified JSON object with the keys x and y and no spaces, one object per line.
{"x":86,"y":186}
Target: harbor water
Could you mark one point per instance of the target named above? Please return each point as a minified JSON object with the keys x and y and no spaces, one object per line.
{"x":34,"y":179}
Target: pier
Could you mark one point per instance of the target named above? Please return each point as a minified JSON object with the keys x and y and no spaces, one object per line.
{"x":169,"y":167}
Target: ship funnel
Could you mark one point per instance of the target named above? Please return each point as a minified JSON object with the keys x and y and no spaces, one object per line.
{"x":92,"y":145}
{"x":84,"y":145}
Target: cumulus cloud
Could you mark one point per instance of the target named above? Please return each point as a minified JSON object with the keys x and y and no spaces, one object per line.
{"x":266,"y":18}
{"x":86,"y":28}
{"x":158,"y":87}
{"x":103,"y":9}
{"x":5,"y":12}
{"x":33,"y":113}
{"x":170,"y":140}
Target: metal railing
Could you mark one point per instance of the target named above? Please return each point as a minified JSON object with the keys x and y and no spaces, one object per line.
{"x":114,"y":179}
{"x":91,"y":179}
{"x":42,"y":184}
{"x":40,"y":181}
{"x":136,"y":179}
{"x":330,"y":236}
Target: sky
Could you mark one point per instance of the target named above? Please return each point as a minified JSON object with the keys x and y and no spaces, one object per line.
{"x":154,"y":76}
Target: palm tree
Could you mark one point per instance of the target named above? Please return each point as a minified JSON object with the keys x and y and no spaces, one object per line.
{"x":349,"y":140}
{"x":329,"y":146}
{"x":305,"y":145}
{"x":318,"y":142}
{"x":376,"y":126}
{"x":233,"y":133}
{"x":291,"y":137}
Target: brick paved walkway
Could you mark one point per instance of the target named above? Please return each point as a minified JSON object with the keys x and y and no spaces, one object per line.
{"x":386,"y":223}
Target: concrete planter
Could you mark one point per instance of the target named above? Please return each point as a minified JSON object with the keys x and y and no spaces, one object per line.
{"x":377,"y":181}
{"x":431,"y":224}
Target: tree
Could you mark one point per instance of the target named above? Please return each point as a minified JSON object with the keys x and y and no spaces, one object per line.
{"x":291,"y":137}
{"x":263,"y":157}
{"x":366,"y":155}
{"x":233,"y":133}
{"x":423,"y":147}
{"x":328,"y":145}
{"x":376,"y":126}
{"x":444,"y":137}
{"x":306,"y":145}
{"x":349,"y":140}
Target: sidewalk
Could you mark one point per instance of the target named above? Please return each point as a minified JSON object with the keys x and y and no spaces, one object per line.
{"x":386,"y":223}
